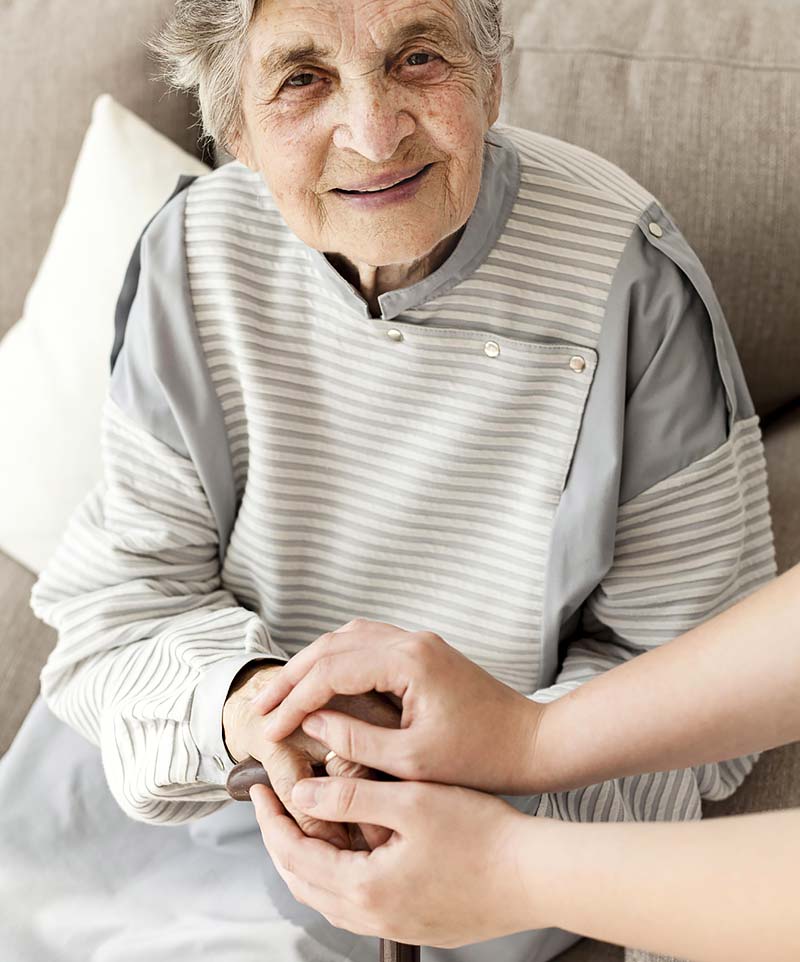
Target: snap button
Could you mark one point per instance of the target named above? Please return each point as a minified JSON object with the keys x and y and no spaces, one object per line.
{"x":655,"y":229}
{"x":577,"y":363}
{"x":394,"y":334}
{"x":491,"y":348}
{"x":220,"y":763}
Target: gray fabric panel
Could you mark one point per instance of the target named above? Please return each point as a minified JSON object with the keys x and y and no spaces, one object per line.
{"x":675,"y":410}
{"x":655,"y":326}
{"x":131,"y":279}
{"x":161,"y":377}
{"x":675,"y":246}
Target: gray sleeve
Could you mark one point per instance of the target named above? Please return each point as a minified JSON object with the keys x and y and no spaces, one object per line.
{"x":675,"y":409}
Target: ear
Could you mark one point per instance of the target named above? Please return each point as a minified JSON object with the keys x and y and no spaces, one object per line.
{"x":239,"y":148}
{"x":495,"y":93}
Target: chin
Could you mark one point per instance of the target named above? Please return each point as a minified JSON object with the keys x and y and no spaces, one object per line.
{"x":381,"y":252}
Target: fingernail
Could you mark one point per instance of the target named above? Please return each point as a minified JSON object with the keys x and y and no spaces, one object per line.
{"x":306,"y":793}
{"x":314,"y":725}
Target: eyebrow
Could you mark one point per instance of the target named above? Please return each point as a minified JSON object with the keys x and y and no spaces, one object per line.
{"x":279,"y":58}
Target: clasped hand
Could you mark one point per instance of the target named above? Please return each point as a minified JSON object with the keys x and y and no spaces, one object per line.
{"x":459,"y":726}
{"x":295,"y":755}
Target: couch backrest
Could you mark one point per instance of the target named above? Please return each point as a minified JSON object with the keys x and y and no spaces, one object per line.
{"x":55,"y":58}
{"x":699,"y":100}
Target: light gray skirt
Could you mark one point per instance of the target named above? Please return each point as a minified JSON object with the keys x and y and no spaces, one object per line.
{"x":80,"y":881}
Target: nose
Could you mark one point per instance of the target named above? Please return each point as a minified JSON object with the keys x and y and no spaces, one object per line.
{"x":374,"y":123}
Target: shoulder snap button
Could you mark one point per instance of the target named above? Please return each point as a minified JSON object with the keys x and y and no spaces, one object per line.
{"x":655,"y":229}
{"x":394,"y":334}
{"x":491,"y":348}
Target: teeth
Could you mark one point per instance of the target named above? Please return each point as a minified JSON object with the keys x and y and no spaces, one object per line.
{"x":374,"y":190}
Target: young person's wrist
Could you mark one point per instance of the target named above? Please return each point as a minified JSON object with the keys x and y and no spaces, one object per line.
{"x":539,"y":850}
{"x":546,"y":749}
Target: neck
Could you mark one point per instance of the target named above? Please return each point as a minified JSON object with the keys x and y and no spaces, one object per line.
{"x":373,"y":281}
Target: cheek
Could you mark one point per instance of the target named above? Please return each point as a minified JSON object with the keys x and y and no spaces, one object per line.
{"x":454,"y":122}
{"x":292,"y":157}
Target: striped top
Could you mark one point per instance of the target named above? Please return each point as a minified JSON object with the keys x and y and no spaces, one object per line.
{"x":544,"y":451}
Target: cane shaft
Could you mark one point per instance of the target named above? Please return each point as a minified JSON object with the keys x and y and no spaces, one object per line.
{"x":398,"y":952}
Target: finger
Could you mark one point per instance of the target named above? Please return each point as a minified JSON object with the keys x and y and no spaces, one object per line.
{"x":393,"y":805}
{"x":363,"y":837}
{"x":339,"y":767}
{"x":357,"y":841}
{"x":336,"y":907}
{"x":286,"y":767}
{"x":339,"y":673}
{"x":283,"y":840}
{"x":359,"y":634}
{"x":374,"y":835}
{"x":371,"y":745}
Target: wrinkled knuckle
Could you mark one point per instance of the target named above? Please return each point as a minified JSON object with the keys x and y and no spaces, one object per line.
{"x":351,"y":743}
{"x":348,"y":791}
{"x":307,"y":824}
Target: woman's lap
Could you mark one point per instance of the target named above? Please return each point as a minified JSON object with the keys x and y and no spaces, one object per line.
{"x":80,"y":880}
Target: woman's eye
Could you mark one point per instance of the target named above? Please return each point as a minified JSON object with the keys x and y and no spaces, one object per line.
{"x":420,"y":63}
{"x":304,"y":79}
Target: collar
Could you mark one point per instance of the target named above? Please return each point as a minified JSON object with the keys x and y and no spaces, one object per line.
{"x":500,"y":178}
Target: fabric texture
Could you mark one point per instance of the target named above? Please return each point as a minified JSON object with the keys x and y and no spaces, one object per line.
{"x":54,"y":361}
{"x":700,"y":102}
{"x":418,"y":479}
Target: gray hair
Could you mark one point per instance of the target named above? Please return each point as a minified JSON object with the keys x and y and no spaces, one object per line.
{"x":201,"y":50}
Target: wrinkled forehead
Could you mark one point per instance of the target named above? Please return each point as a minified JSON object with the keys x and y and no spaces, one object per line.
{"x":287,"y":32}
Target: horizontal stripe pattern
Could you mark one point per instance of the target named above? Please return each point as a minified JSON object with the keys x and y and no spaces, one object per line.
{"x":410,"y":481}
{"x":134,"y":589}
{"x":685,"y":550}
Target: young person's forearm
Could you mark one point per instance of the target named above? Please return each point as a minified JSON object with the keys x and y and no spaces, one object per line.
{"x":721,"y":890}
{"x":726,"y":688}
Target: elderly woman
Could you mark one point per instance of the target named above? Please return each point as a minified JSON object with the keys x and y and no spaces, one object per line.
{"x":396,"y":362}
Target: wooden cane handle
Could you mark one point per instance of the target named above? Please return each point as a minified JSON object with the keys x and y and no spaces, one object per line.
{"x":242,"y":776}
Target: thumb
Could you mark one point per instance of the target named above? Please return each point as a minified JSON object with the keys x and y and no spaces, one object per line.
{"x":391,"y":804}
{"x":358,"y":741}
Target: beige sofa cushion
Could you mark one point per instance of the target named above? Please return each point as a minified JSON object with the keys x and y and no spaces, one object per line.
{"x":55,"y":58}
{"x":700,"y":102}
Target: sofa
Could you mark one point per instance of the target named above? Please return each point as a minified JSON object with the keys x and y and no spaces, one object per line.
{"x":698,"y":101}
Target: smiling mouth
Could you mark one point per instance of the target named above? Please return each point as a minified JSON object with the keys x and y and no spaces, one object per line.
{"x":383,"y":190}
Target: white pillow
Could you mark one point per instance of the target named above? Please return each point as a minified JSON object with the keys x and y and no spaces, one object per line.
{"x":54,"y":362}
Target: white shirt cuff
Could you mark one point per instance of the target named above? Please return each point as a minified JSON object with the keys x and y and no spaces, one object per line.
{"x":205,"y":717}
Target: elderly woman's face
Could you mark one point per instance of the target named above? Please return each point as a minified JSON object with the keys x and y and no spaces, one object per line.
{"x":345,"y":96}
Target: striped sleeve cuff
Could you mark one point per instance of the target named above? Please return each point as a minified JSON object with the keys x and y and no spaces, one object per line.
{"x":205,"y":719}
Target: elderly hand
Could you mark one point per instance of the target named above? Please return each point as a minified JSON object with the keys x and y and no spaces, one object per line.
{"x":460,"y":725}
{"x":448,"y":875}
{"x":290,"y":758}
